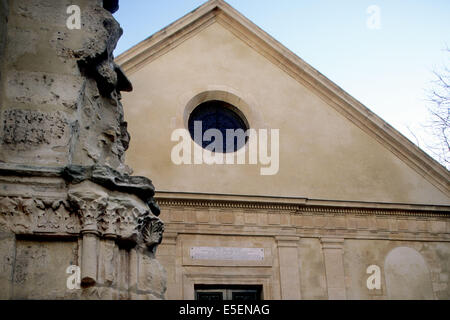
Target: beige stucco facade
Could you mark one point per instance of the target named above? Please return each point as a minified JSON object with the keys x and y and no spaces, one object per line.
{"x":350,"y":191}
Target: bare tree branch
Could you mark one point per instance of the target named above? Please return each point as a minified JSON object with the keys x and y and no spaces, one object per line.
{"x":439,"y":108}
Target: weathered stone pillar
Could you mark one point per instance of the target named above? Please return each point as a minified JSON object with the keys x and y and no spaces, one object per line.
{"x":91,"y":204}
{"x":89,"y":259}
{"x":168,"y":256}
{"x":63,"y":139}
{"x":334,"y":267}
{"x":289,"y":267}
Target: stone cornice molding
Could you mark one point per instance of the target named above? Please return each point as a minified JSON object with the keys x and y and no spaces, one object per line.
{"x":287,"y":241}
{"x":361,"y":116}
{"x":332,"y":243}
{"x":300,"y":206}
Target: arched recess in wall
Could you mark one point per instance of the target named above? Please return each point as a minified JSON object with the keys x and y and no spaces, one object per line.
{"x":407,"y":275}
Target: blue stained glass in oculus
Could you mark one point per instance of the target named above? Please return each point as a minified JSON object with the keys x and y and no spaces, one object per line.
{"x":218,"y":115}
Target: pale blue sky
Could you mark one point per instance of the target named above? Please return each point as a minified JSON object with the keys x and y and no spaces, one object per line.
{"x":387,"y":69}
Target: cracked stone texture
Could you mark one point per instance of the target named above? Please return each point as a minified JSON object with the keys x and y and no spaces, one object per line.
{"x":61,"y":111}
{"x":55,"y":77}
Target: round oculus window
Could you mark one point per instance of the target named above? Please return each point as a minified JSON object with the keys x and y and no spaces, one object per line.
{"x":229,"y":126}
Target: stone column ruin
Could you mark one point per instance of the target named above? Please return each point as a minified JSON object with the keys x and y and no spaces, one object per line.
{"x":74,"y":222}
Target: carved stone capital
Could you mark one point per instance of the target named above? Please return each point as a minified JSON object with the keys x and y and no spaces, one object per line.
{"x":91,"y":203}
{"x":115,"y":215}
{"x":109,"y":220}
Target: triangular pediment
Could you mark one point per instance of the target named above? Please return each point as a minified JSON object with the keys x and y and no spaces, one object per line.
{"x":216,"y":15}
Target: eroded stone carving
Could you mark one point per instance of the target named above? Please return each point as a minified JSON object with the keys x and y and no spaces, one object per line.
{"x":112,"y":215}
{"x":27,"y":216}
{"x":63,"y":138}
{"x":32,"y":128}
{"x":95,"y":58}
{"x":113,"y":180}
{"x":116,"y":215}
{"x":53,"y":214}
{"x":151,"y":230}
{"x":17,"y":214}
{"x":90,"y":205}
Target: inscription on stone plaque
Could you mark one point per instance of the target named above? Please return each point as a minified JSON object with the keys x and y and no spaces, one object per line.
{"x":227,"y":253}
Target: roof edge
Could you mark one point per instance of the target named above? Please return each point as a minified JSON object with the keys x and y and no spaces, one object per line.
{"x":335,"y":96}
{"x":169,"y":30}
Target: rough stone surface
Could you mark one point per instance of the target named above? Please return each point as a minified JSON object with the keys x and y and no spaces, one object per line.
{"x":113,"y":180}
{"x":72,"y":218}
